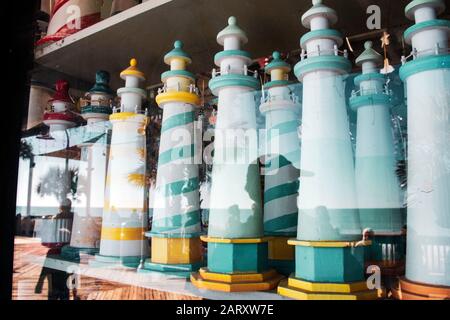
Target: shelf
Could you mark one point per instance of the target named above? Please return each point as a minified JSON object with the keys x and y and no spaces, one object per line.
{"x":147,"y":32}
{"x":152,"y":280}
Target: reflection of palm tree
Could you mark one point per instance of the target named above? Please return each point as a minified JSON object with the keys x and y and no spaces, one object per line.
{"x":59,"y":183}
{"x":138,"y":176}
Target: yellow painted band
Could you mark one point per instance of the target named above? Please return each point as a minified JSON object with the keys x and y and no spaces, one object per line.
{"x":178,"y":96}
{"x":123,"y":115}
{"x":329,"y":244}
{"x":201,"y":283}
{"x":176,"y":250}
{"x":237,"y":277}
{"x":278,"y":74}
{"x":130,"y":72}
{"x":327,"y":287}
{"x":122,"y":233}
{"x":301,"y":295}
{"x":219,"y":240}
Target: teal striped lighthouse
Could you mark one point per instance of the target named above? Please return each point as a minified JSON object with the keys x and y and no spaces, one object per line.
{"x":237,"y":248}
{"x":426,"y":73}
{"x":329,"y":250}
{"x":377,"y":185}
{"x":281,"y":108}
{"x":175,"y":233}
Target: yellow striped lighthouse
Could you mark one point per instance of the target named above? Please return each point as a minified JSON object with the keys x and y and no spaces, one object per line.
{"x":125,"y":217}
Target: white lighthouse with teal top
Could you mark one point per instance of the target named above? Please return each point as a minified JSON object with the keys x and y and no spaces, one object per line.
{"x":329,"y":252}
{"x":237,"y":248}
{"x":426,"y":73}
{"x":87,"y":221}
{"x":125,"y":217}
{"x":281,"y":108}
{"x":377,"y":185}
{"x":176,"y":245}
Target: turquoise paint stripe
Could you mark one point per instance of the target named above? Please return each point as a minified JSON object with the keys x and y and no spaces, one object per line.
{"x":322,"y":33}
{"x":180,"y":187}
{"x":435,"y":23}
{"x":175,"y":73}
{"x":177,"y":222}
{"x":281,"y":223}
{"x":282,"y":161}
{"x":176,"y":154}
{"x":424,"y":64}
{"x":281,"y":191}
{"x":282,"y":129}
{"x":178,"y":120}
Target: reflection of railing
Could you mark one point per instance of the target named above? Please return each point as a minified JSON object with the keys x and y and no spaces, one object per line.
{"x":137,"y":110}
{"x":433,"y":257}
{"x":437,"y":50}
{"x":324,"y":52}
{"x":51,"y":109}
{"x":366,"y":92}
{"x":178,"y":87}
{"x":280,"y":97}
{"x":244,"y":71}
{"x":99,"y":102}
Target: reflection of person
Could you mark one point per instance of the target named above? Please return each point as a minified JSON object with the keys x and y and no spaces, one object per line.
{"x":65,"y":210}
{"x":57,"y":282}
{"x":18,"y":224}
{"x":27,"y":226}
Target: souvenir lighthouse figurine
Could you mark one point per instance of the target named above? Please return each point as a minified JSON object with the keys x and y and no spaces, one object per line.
{"x":60,"y":117}
{"x":377,"y":185}
{"x":281,"y":108}
{"x":87,"y":220}
{"x":237,"y":249}
{"x":69,"y":17}
{"x":427,"y":78}
{"x":125,"y":217}
{"x":328,"y":251}
{"x":176,"y":245}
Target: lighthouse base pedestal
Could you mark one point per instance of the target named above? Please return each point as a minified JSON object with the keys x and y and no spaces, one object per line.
{"x":303,"y":290}
{"x":179,"y":270}
{"x":179,"y":256}
{"x":73,"y":254}
{"x":281,"y":255}
{"x":101,"y":261}
{"x":410,"y":290}
{"x":328,"y":270}
{"x":205,"y":279}
{"x":237,"y":265}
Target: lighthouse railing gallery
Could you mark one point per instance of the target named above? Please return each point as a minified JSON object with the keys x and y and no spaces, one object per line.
{"x":437,"y":50}
{"x":319,"y":52}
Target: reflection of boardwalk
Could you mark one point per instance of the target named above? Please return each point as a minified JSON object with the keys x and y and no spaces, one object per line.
{"x":26,"y":276}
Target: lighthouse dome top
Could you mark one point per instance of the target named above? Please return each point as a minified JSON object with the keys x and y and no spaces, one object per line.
{"x":319,"y":10}
{"x":101,"y":83}
{"x":369,"y":55}
{"x":231,"y":30}
{"x":277,"y":63}
{"x":411,"y":8}
{"x":177,"y":53}
{"x":132,"y":71}
{"x":61,"y":92}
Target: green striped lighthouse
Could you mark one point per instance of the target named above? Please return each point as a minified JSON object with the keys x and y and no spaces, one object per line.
{"x":281,"y":108}
{"x":176,"y":246}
